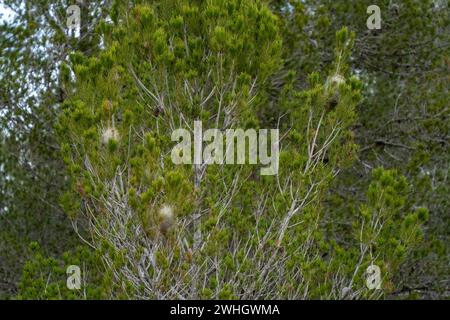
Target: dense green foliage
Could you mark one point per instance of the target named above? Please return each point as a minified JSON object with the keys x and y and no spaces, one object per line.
{"x":403,"y":121}
{"x":86,"y":143}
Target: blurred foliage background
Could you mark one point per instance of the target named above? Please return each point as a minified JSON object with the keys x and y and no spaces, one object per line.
{"x":402,"y":123}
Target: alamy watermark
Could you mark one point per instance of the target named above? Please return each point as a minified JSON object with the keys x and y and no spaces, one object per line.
{"x":73,"y":19}
{"x":74,"y":277}
{"x":374,"y":20}
{"x":228,"y":147}
{"x":373,"y":278}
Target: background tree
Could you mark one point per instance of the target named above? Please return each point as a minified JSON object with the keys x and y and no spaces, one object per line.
{"x":34,"y":41}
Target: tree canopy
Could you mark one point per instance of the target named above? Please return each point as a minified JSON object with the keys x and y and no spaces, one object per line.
{"x":88,"y":177}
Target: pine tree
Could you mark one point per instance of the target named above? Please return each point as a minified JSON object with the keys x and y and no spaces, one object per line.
{"x":86,"y":149}
{"x":233,"y":233}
